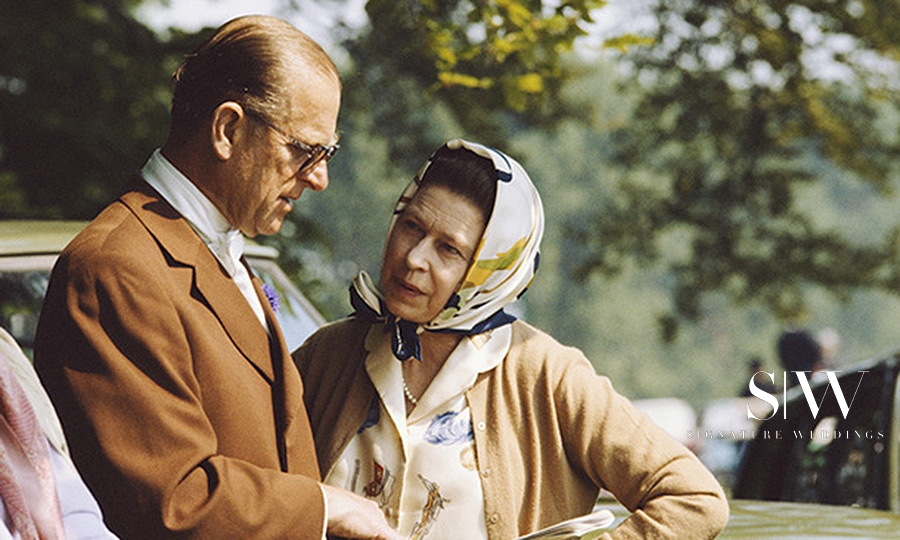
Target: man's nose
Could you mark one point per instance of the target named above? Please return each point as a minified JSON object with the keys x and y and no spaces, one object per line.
{"x":317,"y":178}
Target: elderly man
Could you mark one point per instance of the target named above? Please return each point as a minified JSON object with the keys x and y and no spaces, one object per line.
{"x":183,"y":409}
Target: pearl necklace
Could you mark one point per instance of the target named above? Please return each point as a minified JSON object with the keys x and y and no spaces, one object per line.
{"x":409,"y":395}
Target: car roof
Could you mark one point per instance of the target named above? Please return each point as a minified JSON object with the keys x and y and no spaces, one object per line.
{"x":772,"y":520}
{"x":888,"y":361}
{"x":37,"y":237}
{"x":41,"y":237}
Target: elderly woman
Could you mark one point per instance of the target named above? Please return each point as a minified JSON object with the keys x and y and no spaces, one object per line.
{"x":461,"y":421}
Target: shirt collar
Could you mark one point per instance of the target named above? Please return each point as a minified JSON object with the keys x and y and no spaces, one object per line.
{"x":472,"y":356}
{"x":225,"y":241}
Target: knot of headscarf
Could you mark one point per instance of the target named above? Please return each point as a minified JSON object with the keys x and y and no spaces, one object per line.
{"x":404,"y":339}
{"x":502,"y":268}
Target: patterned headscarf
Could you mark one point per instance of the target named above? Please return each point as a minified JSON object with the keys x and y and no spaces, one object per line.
{"x":503,"y":266}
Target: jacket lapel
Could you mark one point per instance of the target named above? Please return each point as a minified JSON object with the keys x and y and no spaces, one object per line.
{"x":288,"y":372}
{"x":185,"y":248}
{"x":280,"y":365}
{"x":295,"y":447}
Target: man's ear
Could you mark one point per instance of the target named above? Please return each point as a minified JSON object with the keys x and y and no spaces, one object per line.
{"x":227,"y":119}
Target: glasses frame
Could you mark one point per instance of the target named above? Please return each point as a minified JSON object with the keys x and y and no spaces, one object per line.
{"x":316,"y":153}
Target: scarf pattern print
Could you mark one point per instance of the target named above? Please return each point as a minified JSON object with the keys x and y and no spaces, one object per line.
{"x":503,"y":266}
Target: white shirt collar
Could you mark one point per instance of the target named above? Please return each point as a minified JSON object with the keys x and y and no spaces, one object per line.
{"x":225,"y":241}
{"x":472,"y":356}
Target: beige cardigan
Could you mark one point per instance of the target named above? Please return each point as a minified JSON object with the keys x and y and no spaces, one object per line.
{"x":549,"y":433}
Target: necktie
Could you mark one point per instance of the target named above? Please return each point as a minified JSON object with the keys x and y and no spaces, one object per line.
{"x":229,"y":248}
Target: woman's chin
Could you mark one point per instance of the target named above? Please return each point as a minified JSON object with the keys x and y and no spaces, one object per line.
{"x":404,"y":311}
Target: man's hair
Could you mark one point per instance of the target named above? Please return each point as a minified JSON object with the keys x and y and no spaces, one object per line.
{"x":247,"y":60}
{"x":465,"y":173}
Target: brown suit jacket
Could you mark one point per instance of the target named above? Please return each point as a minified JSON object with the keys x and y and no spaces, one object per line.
{"x":184,"y":417}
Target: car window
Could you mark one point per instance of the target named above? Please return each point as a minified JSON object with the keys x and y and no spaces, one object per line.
{"x":24,"y":280}
{"x":842,"y":465}
{"x":827,"y":458}
{"x":296,"y":315}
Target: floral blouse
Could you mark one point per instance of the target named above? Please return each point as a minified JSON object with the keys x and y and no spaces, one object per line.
{"x":421,"y":469}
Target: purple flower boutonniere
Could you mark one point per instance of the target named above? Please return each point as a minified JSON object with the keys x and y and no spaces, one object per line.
{"x":271,"y":296}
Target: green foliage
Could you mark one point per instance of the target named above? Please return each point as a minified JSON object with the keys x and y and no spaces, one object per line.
{"x":484,"y":61}
{"x":616,"y":321}
{"x":728,"y":165}
{"x":395,"y":114}
{"x":743,"y":104}
{"x":84,"y":98}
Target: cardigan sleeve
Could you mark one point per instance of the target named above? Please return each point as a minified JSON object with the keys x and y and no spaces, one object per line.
{"x":669,"y":491}
{"x":550,"y":433}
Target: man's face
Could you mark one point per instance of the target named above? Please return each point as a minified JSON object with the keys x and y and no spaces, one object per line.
{"x":267,"y":179}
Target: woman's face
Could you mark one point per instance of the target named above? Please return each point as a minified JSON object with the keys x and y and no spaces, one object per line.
{"x":428,"y":252}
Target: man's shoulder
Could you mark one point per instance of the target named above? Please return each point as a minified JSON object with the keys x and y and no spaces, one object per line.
{"x":134,"y":223}
{"x":114,"y":227}
{"x":117,"y":225}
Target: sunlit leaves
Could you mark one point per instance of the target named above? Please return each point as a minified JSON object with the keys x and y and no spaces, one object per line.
{"x":499,"y":55}
{"x":626,"y":41}
{"x":746,"y":101}
{"x":449,"y":78}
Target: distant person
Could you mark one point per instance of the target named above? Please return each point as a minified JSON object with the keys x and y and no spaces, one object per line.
{"x":763,"y":382}
{"x":830,"y":344}
{"x":41,"y":492}
{"x":462,"y":422}
{"x":798,"y":351}
{"x":156,"y":342}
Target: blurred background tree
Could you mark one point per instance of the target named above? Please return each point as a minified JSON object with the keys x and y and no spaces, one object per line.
{"x":84,"y":98}
{"x":733,"y":167}
{"x":495,"y":66}
{"x":742,"y":105}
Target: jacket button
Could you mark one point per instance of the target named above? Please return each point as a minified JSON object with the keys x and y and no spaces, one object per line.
{"x":481,"y":426}
{"x":494,"y":518}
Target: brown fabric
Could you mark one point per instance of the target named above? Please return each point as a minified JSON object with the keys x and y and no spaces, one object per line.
{"x":182,"y":416}
{"x":549,"y":433}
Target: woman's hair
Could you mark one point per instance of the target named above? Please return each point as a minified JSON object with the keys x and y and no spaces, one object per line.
{"x":465,"y":173}
{"x":247,"y":60}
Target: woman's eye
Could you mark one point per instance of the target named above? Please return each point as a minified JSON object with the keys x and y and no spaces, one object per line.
{"x":410,"y":225}
{"x":452,"y":250}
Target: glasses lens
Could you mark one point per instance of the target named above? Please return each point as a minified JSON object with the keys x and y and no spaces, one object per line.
{"x":317,"y":154}
{"x":312,"y":160}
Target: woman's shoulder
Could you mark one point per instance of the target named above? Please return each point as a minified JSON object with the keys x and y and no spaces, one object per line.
{"x":338,"y":337}
{"x":341,"y":328}
{"x":548,"y":371}
{"x":534,"y":353}
{"x":537,"y":343}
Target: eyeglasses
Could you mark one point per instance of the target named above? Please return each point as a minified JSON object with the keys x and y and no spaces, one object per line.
{"x":314,"y":154}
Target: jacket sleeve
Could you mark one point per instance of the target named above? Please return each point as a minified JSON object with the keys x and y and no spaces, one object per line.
{"x":119,"y":352}
{"x":670,"y":493}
